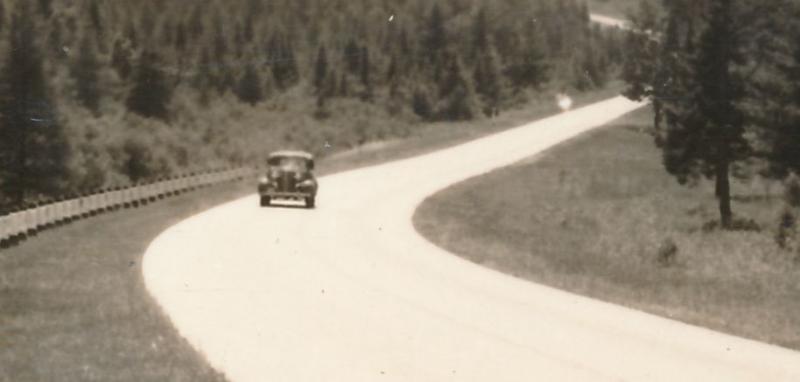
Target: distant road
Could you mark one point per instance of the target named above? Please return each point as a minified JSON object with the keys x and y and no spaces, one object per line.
{"x":351,"y":292}
{"x":609,"y":21}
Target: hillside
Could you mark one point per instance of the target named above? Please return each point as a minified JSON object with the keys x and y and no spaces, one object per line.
{"x":131,"y":91}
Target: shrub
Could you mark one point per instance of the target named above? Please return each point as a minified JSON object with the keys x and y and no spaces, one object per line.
{"x":667,"y":253}
{"x":786,"y":232}
{"x":791,"y":193}
{"x":421,"y":104}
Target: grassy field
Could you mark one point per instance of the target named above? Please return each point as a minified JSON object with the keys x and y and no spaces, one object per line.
{"x":73,"y":305}
{"x":598,"y":216}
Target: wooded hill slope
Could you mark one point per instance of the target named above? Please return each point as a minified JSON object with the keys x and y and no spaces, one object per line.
{"x":98,"y":93}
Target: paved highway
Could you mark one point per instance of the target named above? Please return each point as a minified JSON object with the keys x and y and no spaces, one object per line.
{"x":351,"y":292}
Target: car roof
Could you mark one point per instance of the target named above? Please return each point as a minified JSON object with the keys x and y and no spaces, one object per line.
{"x":292,"y":153}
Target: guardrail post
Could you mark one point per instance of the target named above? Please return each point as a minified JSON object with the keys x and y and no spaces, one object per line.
{"x":27,"y":221}
{"x":161,"y":192}
{"x":122,"y":198}
{"x":41,"y":216}
{"x":4,"y":229}
{"x":105,"y":200}
{"x":83,"y":206}
{"x":115,"y":198}
{"x":152,"y":193}
{"x":72,"y":208}
{"x":12,"y":228}
{"x":66,"y":210}
{"x":55,"y":217}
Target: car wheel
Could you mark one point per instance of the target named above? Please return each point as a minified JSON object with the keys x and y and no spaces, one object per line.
{"x":309,"y":202}
{"x":265,"y":201}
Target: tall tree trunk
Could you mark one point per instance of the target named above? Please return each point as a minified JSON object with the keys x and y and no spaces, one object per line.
{"x":723,"y":192}
{"x":657,"y":114}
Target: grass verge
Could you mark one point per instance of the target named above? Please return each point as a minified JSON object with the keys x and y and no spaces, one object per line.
{"x":75,"y":307}
{"x":600,"y":217}
{"x":73,"y":304}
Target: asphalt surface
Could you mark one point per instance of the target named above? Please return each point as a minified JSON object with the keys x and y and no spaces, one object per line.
{"x":351,"y":292}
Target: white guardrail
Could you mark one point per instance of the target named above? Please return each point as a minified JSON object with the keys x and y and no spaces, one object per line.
{"x":16,"y":225}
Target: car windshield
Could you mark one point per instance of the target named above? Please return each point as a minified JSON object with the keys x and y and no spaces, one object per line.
{"x":291,"y":164}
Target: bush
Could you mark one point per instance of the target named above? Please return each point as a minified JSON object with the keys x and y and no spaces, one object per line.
{"x":422,"y":105}
{"x":667,"y":253}
{"x":786,"y":232}
{"x":738,"y":224}
{"x":791,"y":193}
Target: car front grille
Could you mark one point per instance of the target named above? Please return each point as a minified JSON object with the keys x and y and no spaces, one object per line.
{"x":286,"y":183}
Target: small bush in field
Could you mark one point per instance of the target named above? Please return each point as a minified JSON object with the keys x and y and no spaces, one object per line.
{"x":744,"y":224}
{"x":792,"y":192}
{"x":785,"y":235}
{"x":738,"y":224}
{"x":667,"y":253}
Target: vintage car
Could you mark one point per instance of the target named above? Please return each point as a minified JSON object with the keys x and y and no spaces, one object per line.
{"x":289,"y":176}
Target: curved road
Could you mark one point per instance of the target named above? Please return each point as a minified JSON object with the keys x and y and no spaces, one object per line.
{"x":350,"y":292}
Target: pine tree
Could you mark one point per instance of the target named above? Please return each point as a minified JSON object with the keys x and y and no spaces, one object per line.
{"x":196,"y":25}
{"x":33,"y":146}
{"x":705,"y":127}
{"x":131,"y":35}
{"x":55,"y":45}
{"x":456,"y":94}
{"x":366,"y":81}
{"x":167,"y":33}
{"x":644,"y":61}
{"x":181,"y":38}
{"x":344,"y":86}
{"x":220,"y":41}
{"x":421,"y":103}
{"x":488,"y":81}
{"x":352,"y":57}
{"x":592,"y":66}
{"x":281,"y":57}
{"x":95,"y":17}
{"x":782,"y":116}
{"x":121,"y":59}
{"x":480,"y":33}
{"x":434,"y":42}
{"x":2,"y":15}
{"x":249,"y":88}
{"x":669,"y":69}
{"x":320,"y":70}
{"x":204,"y":78}
{"x":529,"y":66}
{"x":46,"y":7}
{"x":84,"y":72}
{"x":151,"y":94}
{"x":249,"y":32}
{"x":392,"y":72}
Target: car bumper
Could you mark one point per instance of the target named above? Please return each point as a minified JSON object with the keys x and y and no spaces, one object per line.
{"x":286,"y":195}
{"x":296,"y":194}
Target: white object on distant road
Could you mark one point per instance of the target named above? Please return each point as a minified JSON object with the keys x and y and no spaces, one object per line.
{"x":609,"y":21}
{"x":564,"y":101}
{"x":351,"y":292}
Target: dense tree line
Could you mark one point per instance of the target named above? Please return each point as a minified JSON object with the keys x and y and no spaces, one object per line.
{"x":99,"y":92}
{"x":723,"y":79}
